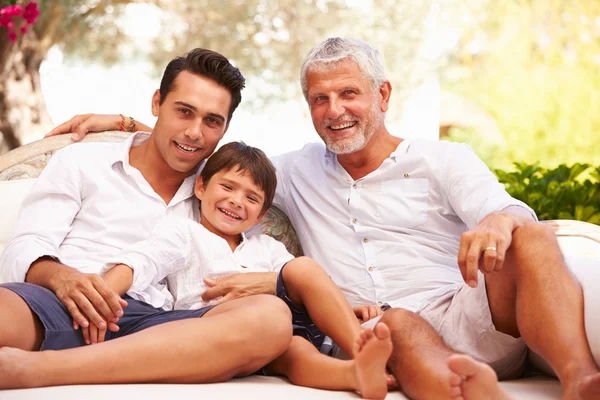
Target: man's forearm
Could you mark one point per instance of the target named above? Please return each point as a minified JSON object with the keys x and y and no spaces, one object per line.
{"x":520,"y":215}
{"x":45,"y":271}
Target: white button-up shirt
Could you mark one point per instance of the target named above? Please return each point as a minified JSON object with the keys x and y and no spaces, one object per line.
{"x":89,"y":204}
{"x":391,"y":237}
{"x":185,"y":252}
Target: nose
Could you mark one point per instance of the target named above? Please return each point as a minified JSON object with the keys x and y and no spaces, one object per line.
{"x":194,"y":131}
{"x":236,"y":198}
{"x":335,"y":108}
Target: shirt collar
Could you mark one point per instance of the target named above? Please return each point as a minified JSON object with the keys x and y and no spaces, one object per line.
{"x":403,"y":147}
{"x":122,"y":152}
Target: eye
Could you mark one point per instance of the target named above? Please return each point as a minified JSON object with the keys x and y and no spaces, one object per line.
{"x":226,"y":187}
{"x":184,"y":111}
{"x":213,"y":121}
{"x":253,"y":199}
{"x":349,"y":92}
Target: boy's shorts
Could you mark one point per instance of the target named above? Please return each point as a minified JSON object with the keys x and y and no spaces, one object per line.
{"x":58,"y":323}
{"x":301,"y":321}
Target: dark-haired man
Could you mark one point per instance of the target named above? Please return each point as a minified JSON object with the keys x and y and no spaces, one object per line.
{"x":90,"y":202}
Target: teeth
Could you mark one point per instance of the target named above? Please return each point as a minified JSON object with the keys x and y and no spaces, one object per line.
{"x":343,"y":126}
{"x":186,"y":148}
{"x":230,"y":214}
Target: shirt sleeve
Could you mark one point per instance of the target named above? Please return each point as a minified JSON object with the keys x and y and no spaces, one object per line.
{"x":165,"y":252}
{"x":279,"y":254}
{"x":46,"y":216}
{"x":473,"y":190}
{"x":282,"y":166}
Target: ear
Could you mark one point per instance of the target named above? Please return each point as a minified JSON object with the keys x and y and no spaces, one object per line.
{"x":156,"y":103}
{"x":199,"y":188}
{"x":260,"y":217}
{"x":385,"y":91}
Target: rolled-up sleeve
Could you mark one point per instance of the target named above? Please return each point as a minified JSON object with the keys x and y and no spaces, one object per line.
{"x":45,"y":218}
{"x":165,"y":252}
{"x":473,"y":190}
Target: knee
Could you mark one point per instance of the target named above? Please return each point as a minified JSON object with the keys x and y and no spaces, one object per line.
{"x":399,"y":319}
{"x":533,"y":232}
{"x":272,"y":318}
{"x":303,"y":269}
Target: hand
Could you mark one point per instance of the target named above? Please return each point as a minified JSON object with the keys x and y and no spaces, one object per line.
{"x":92,"y":334}
{"x":365,"y":313}
{"x":89,"y":299}
{"x":82,"y":124}
{"x":484,"y":247}
{"x":240,"y":285}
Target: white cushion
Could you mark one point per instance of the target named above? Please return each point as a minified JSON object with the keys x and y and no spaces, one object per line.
{"x":12,"y":194}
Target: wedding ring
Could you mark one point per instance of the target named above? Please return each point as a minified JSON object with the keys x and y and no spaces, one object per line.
{"x":490,"y":248}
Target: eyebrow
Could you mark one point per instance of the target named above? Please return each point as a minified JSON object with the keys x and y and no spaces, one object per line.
{"x":251,"y":191}
{"x":210,"y":114}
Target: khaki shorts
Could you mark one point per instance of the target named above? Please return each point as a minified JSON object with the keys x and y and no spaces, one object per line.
{"x":464,"y":321}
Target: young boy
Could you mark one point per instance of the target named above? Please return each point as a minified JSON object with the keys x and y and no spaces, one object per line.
{"x":235,"y":189}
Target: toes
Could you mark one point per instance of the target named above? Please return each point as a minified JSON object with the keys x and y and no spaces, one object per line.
{"x":382,"y":331}
{"x":463,"y":365}
{"x":455,"y":379}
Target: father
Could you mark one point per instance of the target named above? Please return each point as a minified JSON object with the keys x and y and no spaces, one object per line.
{"x":90,"y":202}
{"x":416,"y":220}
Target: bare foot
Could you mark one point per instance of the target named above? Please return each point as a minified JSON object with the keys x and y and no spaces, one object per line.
{"x":589,"y":388}
{"x":479,"y":380}
{"x":16,"y":369}
{"x":371,"y":352}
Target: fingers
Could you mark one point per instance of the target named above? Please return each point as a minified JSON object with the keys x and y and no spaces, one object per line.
{"x":69,"y":126}
{"x":101,"y":335}
{"x":468,"y":258}
{"x":112,"y":326}
{"x":88,"y":309}
{"x":490,"y":254}
{"x":217,"y":290}
{"x":76,"y":314}
{"x":227,"y":297}
{"x":86,"y":335}
{"x":109,"y":301}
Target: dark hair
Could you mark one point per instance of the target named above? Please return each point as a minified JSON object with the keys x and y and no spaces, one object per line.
{"x":211,"y":65}
{"x":246,"y":159}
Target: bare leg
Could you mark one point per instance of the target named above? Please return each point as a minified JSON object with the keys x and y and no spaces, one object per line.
{"x":25,"y":330}
{"x":419,"y":359}
{"x":238,"y":337}
{"x":309,"y":286}
{"x":305,"y":366}
{"x":536,"y":296}
{"x":479,"y":380}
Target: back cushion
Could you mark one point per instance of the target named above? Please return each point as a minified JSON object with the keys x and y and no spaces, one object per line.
{"x":12,"y":194}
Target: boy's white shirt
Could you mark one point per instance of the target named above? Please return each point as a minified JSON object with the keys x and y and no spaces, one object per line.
{"x":169,"y":267}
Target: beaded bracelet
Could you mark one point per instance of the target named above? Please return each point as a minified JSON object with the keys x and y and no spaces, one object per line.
{"x":131,"y":127}
{"x":122,"y":125}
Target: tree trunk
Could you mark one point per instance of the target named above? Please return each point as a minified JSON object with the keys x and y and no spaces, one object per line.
{"x":23,"y":114}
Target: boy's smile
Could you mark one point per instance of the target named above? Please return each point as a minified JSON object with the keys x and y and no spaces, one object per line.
{"x":231,"y":203}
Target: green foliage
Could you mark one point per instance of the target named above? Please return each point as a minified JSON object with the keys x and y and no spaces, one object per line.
{"x":535,"y":71}
{"x":560,"y":193}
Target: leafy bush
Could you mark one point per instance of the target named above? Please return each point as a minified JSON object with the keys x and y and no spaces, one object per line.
{"x":559,"y":193}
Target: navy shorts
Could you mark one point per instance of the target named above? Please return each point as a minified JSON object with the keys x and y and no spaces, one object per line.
{"x":58,"y":324}
{"x":301,"y":321}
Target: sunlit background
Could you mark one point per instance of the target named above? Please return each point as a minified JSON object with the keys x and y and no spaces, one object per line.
{"x":518,"y":80}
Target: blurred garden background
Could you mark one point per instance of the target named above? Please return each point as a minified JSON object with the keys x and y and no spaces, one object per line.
{"x":519,"y":80}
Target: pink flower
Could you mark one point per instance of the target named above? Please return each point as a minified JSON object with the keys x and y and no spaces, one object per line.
{"x":31,"y":12}
{"x":12,"y":36}
{"x":23,"y":29}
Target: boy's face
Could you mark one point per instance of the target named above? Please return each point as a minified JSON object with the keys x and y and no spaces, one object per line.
{"x":231,"y":203}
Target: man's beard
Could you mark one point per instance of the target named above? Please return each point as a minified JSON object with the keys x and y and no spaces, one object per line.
{"x":367,"y":127}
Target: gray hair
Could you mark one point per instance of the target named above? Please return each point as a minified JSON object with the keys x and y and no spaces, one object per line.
{"x":335,"y":50}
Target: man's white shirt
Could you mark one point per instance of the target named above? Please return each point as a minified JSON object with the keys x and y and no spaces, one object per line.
{"x":391,"y":237}
{"x":89,"y":204}
{"x":185,"y":252}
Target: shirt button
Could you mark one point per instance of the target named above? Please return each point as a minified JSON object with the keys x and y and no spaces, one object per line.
{"x":370,"y":269}
{"x":353,"y":220}
{"x":406,"y":175}
{"x":366,"y":240}
{"x":379,"y":303}
{"x":355,"y":186}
